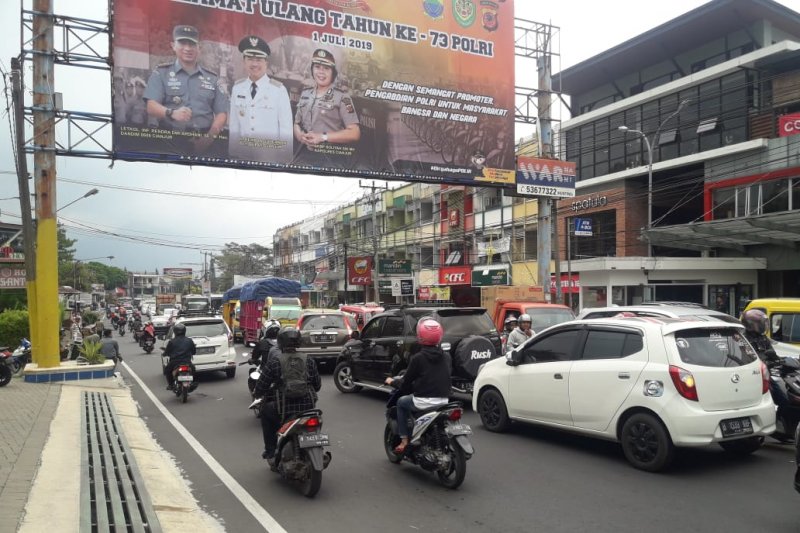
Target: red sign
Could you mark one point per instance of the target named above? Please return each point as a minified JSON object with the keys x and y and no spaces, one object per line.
{"x":12,"y":278}
{"x":454,"y":218}
{"x":458,"y":275}
{"x":568,"y":285}
{"x":424,"y":293}
{"x":359,"y":270}
{"x":789,"y":125}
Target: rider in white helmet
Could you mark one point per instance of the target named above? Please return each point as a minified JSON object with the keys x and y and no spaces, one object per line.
{"x":521,"y":333}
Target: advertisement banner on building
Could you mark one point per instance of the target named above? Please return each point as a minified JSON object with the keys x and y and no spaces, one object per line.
{"x":434,"y":293}
{"x":178,"y":273}
{"x":455,"y":275}
{"x":545,"y":177}
{"x":12,"y":278}
{"x":583,"y":227}
{"x":359,"y":270}
{"x":399,"y":90}
{"x":568,"y":284}
{"x":490,"y":276}
{"x":392,"y":267}
{"x":789,"y":125}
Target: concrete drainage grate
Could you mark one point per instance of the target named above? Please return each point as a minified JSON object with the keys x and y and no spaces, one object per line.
{"x":113,"y":496}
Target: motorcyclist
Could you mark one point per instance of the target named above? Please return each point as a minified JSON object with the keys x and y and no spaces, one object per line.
{"x":509,"y":325}
{"x":755,"y":327}
{"x":267,"y":345}
{"x":270,"y":385}
{"x":426,"y":382}
{"x":148,"y":333}
{"x":180,"y":350}
{"x":521,"y":333}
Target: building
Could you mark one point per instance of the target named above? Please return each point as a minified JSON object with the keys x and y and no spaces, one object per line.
{"x":716,"y":95}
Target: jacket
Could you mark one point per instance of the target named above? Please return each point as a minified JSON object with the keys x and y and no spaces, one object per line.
{"x":516,"y":337}
{"x":763,"y":347}
{"x":428,"y":374}
{"x":272,"y":375}
{"x":180,"y":349}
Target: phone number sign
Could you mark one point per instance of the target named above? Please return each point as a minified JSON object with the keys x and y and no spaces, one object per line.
{"x":545,"y":177}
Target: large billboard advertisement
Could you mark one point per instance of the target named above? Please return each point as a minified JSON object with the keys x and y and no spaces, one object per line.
{"x":417,"y":90}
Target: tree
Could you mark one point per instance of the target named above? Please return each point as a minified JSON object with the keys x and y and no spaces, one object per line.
{"x":66,"y":257}
{"x":242,"y":259}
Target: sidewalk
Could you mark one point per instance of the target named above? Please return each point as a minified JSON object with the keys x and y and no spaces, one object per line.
{"x":40,"y":474}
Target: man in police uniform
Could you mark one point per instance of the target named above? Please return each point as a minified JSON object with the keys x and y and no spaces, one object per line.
{"x":261,"y":113}
{"x":186,"y":97}
{"x":325,"y":116}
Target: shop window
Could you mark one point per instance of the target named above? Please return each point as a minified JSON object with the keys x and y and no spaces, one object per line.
{"x":595,"y":297}
{"x":707,"y":125}
{"x":795,"y":196}
{"x":724,"y":203}
{"x":775,"y":196}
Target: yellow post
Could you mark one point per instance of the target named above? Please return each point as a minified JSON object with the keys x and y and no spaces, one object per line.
{"x":32,"y":321}
{"x":47,"y":309}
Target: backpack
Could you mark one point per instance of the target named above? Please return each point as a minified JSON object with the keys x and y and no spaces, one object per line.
{"x":294,"y":375}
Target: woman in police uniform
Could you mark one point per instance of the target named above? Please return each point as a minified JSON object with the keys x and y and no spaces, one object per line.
{"x":326,"y":121}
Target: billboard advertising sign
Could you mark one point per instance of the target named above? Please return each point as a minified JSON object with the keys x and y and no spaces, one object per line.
{"x":12,"y":278}
{"x":455,"y":275}
{"x":789,"y":125}
{"x":396,"y":90}
{"x":583,"y":227}
{"x":568,"y":284}
{"x":394,"y":266}
{"x":434,"y":293}
{"x":545,"y":177}
{"x":489,"y":276}
{"x":178,"y":273}
{"x":359,"y":270}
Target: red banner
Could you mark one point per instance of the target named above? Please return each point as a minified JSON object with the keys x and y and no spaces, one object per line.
{"x":359,"y":270}
{"x":455,"y":275}
{"x":789,"y":125}
{"x":568,"y":284}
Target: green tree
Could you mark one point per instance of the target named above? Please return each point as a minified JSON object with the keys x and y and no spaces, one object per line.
{"x":243,"y":259}
{"x":66,"y":257}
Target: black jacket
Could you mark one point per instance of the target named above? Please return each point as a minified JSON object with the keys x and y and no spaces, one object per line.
{"x":261,"y":351}
{"x":272,"y":374}
{"x":180,"y":349}
{"x":763,"y":347}
{"x":428,"y":374}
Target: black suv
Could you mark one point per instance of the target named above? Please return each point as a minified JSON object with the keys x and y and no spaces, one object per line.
{"x":388,"y":339}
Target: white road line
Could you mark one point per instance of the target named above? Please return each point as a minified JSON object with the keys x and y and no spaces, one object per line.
{"x":259,"y":513}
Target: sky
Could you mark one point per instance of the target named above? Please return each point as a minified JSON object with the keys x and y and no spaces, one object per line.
{"x":177,"y":229}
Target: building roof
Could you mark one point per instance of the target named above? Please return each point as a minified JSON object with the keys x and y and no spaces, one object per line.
{"x":699,"y":26}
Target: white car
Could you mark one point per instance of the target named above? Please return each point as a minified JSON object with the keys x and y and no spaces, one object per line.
{"x":650,"y":384}
{"x":214,"y":343}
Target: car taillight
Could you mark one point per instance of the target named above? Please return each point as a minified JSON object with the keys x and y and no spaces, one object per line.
{"x":312,"y":422}
{"x":684,"y":382}
{"x":454,"y":415}
{"x":299,"y":323}
{"x":764,"y":378}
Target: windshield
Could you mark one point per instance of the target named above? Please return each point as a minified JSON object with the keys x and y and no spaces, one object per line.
{"x":714,"y":347}
{"x":461,"y":322}
{"x":196,"y":304}
{"x":542,"y":317}
{"x":284,"y":314}
{"x":323,"y":322}
{"x":205,"y":329}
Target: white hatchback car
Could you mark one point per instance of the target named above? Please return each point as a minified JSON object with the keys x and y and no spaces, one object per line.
{"x":214,"y":342}
{"x":650,"y":384}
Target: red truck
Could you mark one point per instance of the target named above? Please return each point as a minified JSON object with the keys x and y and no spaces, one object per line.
{"x":502,"y":302}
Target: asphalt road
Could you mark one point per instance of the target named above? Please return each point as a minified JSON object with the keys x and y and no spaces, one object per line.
{"x":530,"y":479}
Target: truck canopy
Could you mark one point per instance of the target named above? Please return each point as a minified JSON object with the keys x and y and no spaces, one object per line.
{"x":260,"y":289}
{"x":232,"y":293}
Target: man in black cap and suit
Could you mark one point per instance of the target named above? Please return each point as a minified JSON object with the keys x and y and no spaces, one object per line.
{"x":186,"y":97}
{"x":261,"y":125}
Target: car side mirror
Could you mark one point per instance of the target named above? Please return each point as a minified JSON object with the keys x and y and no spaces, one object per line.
{"x":356,"y":335}
{"x":790,"y":363}
{"x":514,"y":357}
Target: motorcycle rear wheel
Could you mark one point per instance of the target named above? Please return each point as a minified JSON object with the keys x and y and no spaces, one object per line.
{"x":454,"y":477}
{"x":17,"y":368}
{"x":390,"y":440}
{"x":309,"y":487}
{"x":184,"y":394}
{"x":5,"y":375}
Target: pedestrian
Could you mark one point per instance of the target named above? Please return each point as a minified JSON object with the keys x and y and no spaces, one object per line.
{"x":325,"y":115}
{"x":109,"y":347}
{"x":185,"y":97}
{"x":261,"y":123}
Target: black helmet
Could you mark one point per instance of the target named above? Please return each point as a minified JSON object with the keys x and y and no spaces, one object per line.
{"x":755,"y":321}
{"x":179,"y":328}
{"x":289,"y":338}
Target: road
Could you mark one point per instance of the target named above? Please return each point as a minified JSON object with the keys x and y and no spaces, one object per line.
{"x":530,"y":479}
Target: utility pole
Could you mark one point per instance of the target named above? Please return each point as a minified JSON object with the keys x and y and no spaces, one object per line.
{"x":44,"y":162}
{"x":544,"y":244}
{"x":28,"y":236}
{"x":375,"y":234}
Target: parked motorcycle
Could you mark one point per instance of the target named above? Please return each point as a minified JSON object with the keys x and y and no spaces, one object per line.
{"x":20,"y":357}
{"x":439,"y":441}
{"x":300,"y":457}
{"x":5,"y":368}
{"x":785,"y":391}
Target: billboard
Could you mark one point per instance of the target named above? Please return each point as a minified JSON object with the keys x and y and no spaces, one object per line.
{"x":12,"y":278}
{"x":359,"y":270}
{"x":789,"y":125}
{"x":545,"y":177}
{"x":416,"y":91}
{"x":178,"y":273}
{"x":455,"y":275}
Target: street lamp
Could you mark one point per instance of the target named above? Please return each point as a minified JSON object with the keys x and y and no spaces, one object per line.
{"x":650,"y":147}
{"x":91,"y":192}
{"x":75,"y":266}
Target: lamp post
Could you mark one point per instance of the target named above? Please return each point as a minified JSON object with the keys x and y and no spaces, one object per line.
{"x":650,"y":147}
{"x":91,"y":192}
{"x":75,"y":266}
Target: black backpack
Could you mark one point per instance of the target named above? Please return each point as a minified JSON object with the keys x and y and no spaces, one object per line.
{"x":294,"y":375}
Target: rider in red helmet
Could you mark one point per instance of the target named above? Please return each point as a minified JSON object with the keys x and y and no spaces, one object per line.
{"x":426,"y":382}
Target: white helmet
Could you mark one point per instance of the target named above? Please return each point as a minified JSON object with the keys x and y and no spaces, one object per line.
{"x":524,"y":318}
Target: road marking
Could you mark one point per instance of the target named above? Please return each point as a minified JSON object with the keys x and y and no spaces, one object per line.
{"x":259,"y":513}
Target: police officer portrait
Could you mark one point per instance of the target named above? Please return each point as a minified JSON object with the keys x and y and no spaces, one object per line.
{"x":185,"y":97}
{"x":260,"y":121}
{"x":326,"y":124}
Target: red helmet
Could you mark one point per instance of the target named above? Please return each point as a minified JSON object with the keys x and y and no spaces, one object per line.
{"x":429,"y":332}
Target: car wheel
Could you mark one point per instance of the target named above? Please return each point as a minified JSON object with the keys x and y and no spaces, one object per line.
{"x":230,"y":372}
{"x":343,"y":378}
{"x":493,"y":411}
{"x":646,"y":443}
{"x":742,"y":446}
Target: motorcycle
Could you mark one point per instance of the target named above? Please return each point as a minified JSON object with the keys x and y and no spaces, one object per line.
{"x":121,"y":327}
{"x":148,"y":344}
{"x":439,"y":441}
{"x":184,"y":382}
{"x":137,"y":331}
{"x":253,"y":373}
{"x":20,"y":357}
{"x":299,"y":456}
{"x":5,"y":368}
{"x":785,"y":391}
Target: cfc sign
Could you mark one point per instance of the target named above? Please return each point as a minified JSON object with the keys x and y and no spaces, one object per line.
{"x":789,"y":125}
{"x":455,"y":276}
{"x":359,"y":270}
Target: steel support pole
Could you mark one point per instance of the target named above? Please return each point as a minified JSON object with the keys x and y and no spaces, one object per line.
{"x":544,"y":243}
{"x":44,"y":161}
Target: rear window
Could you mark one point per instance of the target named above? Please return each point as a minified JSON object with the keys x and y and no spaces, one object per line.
{"x":785,"y":327}
{"x":323,"y":322}
{"x":284,"y":314}
{"x":205,"y":329}
{"x":542,"y":317}
{"x":714,"y":347}
{"x":462,"y":324}
{"x":196,"y":305}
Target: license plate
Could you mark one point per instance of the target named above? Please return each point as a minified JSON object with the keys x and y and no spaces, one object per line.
{"x":324,"y":338}
{"x":205,"y":350}
{"x":733,"y":427}
{"x":185,"y":378}
{"x":313,"y":439}
{"x":459,"y":429}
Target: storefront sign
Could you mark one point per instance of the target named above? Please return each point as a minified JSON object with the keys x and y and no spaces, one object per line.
{"x":789,"y":125}
{"x":359,"y":270}
{"x":458,"y":275}
{"x":455,"y":218}
{"x":568,"y":284}
{"x":402,"y":287}
{"x":590,"y":203}
{"x":178,"y":273}
{"x":490,"y":276}
{"x":583,"y":227}
{"x":12,"y":278}
{"x":434,"y":293}
{"x":390,"y":267}
{"x":545,"y":177}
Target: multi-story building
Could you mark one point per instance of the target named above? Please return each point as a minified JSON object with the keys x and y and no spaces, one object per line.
{"x":715,"y":95}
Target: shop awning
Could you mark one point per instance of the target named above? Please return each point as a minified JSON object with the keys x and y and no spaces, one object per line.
{"x":778,"y":229}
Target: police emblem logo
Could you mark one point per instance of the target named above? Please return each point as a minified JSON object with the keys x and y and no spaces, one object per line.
{"x":433,"y":8}
{"x":253,"y":41}
{"x":489,"y":15}
{"x":464,"y":11}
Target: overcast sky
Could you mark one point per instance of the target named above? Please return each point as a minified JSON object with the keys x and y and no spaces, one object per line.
{"x":587,"y":28}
